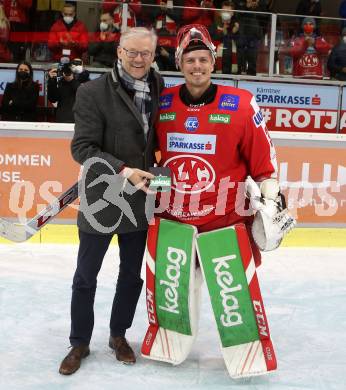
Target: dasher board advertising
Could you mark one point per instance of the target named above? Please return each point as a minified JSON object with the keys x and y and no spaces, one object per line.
{"x":296,"y":107}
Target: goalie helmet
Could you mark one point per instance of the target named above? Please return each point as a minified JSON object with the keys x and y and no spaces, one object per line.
{"x":193,"y":37}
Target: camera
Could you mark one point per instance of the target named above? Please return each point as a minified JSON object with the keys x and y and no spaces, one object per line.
{"x":64,"y":68}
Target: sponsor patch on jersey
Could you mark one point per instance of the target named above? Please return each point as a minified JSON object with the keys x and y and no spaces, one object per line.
{"x":191,"y":143}
{"x":191,"y":123}
{"x":167,"y":116}
{"x":166,"y":101}
{"x":257,"y":118}
{"x":229,"y":102}
{"x":191,"y":174}
{"x":220,"y":118}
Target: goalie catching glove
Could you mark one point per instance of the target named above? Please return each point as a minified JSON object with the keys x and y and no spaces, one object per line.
{"x":272,"y":219}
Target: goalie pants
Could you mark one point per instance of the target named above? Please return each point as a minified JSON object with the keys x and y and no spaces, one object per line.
{"x":92,"y":250}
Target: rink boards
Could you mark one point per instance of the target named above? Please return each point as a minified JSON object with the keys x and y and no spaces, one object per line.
{"x":36,"y":165}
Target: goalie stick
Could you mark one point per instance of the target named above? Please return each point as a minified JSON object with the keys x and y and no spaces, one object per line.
{"x":20,"y":232}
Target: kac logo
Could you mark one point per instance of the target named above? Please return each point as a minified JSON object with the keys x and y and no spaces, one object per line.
{"x":166,"y":101}
{"x":229,"y":102}
{"x":190,"y":174}
{"x":191,"y":123}
{"x":309,"y":60}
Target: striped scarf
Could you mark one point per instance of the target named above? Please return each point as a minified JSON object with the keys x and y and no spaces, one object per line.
{"x":141,"y":98}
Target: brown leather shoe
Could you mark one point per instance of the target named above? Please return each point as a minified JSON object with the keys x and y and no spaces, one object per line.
{"x":123,"y":351}
{"x":72,"y":361}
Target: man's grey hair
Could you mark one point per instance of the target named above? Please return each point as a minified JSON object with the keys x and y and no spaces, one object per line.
{"x":138,"y":32}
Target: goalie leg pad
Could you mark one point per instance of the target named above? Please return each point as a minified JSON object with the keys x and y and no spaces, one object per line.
{"x":172,"y":291}
{"x":230,"y":273}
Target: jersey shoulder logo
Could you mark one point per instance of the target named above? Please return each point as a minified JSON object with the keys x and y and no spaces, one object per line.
{"x":166,"y":101}
{"x":229,"y":102}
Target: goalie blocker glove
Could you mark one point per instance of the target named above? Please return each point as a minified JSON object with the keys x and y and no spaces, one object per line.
{"x":272,"y":219}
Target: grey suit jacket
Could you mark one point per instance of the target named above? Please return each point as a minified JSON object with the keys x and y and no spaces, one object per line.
{"x":109,"y":126}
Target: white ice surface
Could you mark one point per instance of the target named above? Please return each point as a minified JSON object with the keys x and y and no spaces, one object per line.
{"x":304,"y":292}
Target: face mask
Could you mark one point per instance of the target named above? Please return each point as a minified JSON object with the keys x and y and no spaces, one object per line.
{"x":68,"y":19}
{"x":308,"y":28}
{"x":226,"y":16}
{"x":77,"y":69}
{"x":104,"y":26}
{"x":23,"y":75}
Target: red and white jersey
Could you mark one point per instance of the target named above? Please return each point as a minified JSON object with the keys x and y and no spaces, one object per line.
{"x":308,"y":61}
{"x":210,"y":151}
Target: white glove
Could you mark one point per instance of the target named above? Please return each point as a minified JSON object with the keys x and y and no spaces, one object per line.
{"x":272,"y":221}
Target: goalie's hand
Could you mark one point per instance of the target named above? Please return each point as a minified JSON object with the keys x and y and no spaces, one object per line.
{"x":272,"y":219}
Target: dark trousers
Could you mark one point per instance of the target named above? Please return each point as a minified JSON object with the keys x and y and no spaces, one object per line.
{"x":92,"y":249}
{"x":247,"y":49}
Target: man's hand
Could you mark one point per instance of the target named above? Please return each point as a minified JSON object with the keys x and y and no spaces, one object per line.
{"x":53,"y":73}
{"x":140,"y":179}
{"x":310,"y":41}
{"x":164,"y":52}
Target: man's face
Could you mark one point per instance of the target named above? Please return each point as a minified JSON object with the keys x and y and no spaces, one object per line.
{"x":106,"y":18}
{"x":68,"y":11}
{"x":139,"y":65}
{"x":197,"y":67}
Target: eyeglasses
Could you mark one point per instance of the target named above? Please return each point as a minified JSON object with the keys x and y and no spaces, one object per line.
{"x":145,"y":54}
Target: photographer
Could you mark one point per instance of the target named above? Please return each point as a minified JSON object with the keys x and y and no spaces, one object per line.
{"x":63,"y":83}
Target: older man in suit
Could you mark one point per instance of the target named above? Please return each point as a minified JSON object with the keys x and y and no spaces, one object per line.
{"x":114,"y":140}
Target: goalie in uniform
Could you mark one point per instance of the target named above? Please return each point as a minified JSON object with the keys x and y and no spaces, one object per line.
{"x":214,"y":141}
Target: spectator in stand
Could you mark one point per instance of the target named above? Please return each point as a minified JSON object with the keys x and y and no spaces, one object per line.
{"x":307,"y":51}
{"x":198,"y":16}
{"x":103,"y":49}
{"x":68,"y":33}
{"x":5,"y":54}
{"x":63,"y":92}
{"x":17,"y":12}
{"x":20,"y":98}
{"x":337,"y":59}
{"x":250,"y":35}
{"x":342,"y":13}
{"x":115,"y":8}
{"x":224,"y":31}
{"x":166,"y":18}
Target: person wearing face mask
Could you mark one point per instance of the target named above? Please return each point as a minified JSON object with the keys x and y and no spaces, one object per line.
{"x":103,"y":49}
{"x":63,"y":92}
{"x":20,"y":98}
{"x":68,"y":33}
{"x":337,"y":59}
{"x":308,"y":51}
{"x":224,"y":32}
